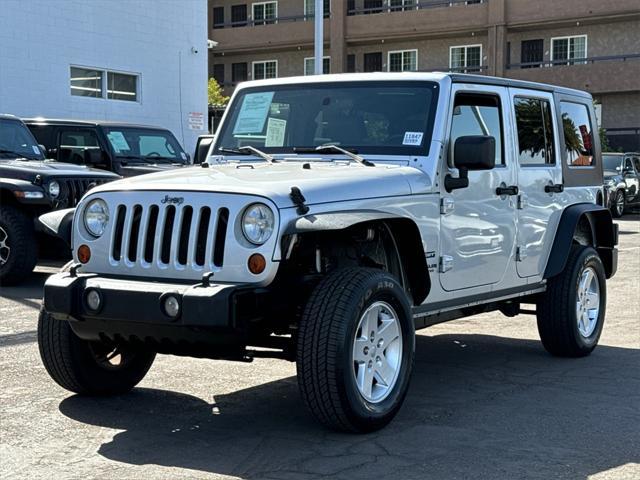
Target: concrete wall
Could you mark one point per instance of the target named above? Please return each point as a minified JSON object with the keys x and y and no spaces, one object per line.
{"x":41,"y":39}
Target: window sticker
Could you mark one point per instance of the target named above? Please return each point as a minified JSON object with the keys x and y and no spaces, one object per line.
{"x":36,"y":150}
{"x":118,"y":142}
{"x":412,"y":138}
{"x":275,"y":132}
{"x":183,"y":155}
{"x":253,"y":112}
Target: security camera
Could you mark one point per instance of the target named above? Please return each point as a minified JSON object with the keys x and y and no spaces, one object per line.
{"x":194,"y":50}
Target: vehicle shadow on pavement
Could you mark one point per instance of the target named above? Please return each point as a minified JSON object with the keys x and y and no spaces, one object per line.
{"x":478,"y":407}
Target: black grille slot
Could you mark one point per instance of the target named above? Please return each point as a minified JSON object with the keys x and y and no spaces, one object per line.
{"x":221,"y":233}
{"x":135,"y":232}
{"x":151,"y":234}
{"x":165,"y":252}
{"x":119,"y":229}
{"x":201,"y":235}
{"x":183,"y":238}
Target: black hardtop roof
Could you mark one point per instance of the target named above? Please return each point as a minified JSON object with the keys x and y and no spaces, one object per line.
{"x":508,"y":82}
{"x":87,"y":123}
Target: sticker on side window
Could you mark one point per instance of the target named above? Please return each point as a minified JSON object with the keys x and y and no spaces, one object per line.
{"x":253,"y":112}
{"x":275,"y":132}
{"x":412,"y":138}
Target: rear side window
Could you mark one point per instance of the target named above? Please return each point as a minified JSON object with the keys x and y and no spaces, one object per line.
{"x":535,"y":131}
{"x":78,"y":138}
{"x":477,"y":114}
{"x":578,"y":134}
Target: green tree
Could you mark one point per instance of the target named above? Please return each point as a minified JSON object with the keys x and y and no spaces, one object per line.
{"x":214,"y":91}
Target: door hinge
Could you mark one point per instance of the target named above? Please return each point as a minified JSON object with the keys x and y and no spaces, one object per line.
{"x":447,"y":205}
{"x":522,"y":201}
{"x":446,"y":263}
{"x":521,"y":253}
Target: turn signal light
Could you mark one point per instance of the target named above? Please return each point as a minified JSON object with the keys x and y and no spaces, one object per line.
{"x":257,"y":264}
{"x":84,"y":253}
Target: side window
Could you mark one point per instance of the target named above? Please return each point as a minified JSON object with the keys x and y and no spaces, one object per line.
{"x":535,"y":131}
{"x":628,"y":166}
{"x":636,"y":162}
{"x":78,"y":139}
{"x":477,"y":114}
{"x":578,"y":134}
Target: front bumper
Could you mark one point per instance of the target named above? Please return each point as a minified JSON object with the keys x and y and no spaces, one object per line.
{"x":132,"y":310}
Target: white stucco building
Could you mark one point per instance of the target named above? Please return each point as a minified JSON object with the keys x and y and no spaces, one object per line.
{"x":141,"y":61}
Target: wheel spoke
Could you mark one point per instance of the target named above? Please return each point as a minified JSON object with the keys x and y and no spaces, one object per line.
{"x":388,"y":330}
{"x":360,"y":350}
{"x":370,"y":323}
{"x":384,"y":372}
{"x":593,"y":300}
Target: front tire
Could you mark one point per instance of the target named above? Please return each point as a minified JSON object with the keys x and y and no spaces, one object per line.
{"x":18,"y":250}
{"x":89,"y":368}
{"x":617,"y":209}
{"x":571,"y":312}
{"x":355,"y":349}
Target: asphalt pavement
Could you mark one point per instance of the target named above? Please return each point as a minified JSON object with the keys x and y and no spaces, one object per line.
{"x":486,"y":401}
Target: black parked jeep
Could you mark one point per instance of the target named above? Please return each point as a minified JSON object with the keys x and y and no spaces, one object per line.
{"x":622,"y":181}
{"x":31,"y":186}
{"x":126,"y":149}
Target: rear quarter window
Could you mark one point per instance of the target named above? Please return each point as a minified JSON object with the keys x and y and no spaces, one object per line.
{"x":578,"y":134}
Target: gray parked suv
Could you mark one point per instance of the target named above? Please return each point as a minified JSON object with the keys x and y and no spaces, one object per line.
{"x":334,"y":216}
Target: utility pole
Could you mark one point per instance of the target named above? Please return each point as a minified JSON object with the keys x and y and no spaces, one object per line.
{"x":319,"y":37}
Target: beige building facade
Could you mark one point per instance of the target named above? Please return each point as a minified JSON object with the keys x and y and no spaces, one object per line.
{"x":592,"y":45}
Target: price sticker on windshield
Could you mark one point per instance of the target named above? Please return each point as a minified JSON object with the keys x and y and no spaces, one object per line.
{"x":412,"y":138}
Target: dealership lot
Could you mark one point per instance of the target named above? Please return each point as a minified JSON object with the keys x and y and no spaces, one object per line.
{"x":486,"y":401}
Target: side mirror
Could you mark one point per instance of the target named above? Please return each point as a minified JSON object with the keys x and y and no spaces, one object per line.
{"x":51,"y":153}
{"x":93,"y":156}
{"x":471,"y":152}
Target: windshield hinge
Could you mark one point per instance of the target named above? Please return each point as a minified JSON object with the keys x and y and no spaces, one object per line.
{"x":298,"y":200}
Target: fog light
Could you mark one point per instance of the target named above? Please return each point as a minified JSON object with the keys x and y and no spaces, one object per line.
{"x":93,"y":299}
{"x":84,"y":253}
{"x":257,"y":264}
{"x":171,"y":306}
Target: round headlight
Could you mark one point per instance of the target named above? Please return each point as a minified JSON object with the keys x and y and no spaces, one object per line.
{"x":54,"y":189}
{"x":96,"y":217}
{"x":257,"y":223}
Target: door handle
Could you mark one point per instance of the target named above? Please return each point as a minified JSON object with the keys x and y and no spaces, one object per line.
{"x":511,"y":190}
{"x":557,"y":188}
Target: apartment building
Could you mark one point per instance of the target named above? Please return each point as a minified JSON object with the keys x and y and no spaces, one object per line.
{"x":587,"y":44}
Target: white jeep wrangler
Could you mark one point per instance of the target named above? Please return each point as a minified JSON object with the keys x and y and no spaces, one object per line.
{"x":335,"y":216}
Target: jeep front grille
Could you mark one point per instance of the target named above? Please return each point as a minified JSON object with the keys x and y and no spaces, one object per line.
{"x":73,"y":189}
{"x":180,"y":236}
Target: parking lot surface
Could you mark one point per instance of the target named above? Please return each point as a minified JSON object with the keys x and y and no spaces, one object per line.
{"x":486,"y":401}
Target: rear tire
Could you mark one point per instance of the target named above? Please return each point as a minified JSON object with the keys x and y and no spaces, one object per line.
{"x":84,"y":367}
{"x":571,"y":312}
{"x":18,"y":249}
{"x":355,"y":349}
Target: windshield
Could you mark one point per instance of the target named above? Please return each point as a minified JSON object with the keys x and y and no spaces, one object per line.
{"x":386,"y":118}
{"x":611,"y":162}
{"x":145,"y":144}
{"x":16,"y":141}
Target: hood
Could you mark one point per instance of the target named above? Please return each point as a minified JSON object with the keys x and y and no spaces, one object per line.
{"x":320,"y":182}
{"x":28,"y":169}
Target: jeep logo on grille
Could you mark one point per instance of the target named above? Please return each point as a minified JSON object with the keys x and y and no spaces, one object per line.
{"x":172,"y":200}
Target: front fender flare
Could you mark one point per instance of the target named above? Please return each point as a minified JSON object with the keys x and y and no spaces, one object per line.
{"x":57,"y":223}
{"x":335,"y":220}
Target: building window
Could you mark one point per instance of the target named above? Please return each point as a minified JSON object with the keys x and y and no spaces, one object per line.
{"x":239,"y":72}
{"x":372,"y":6}
{"x":122,"y":86}
{"x":373,"y":62}
{"x":578,"y":138}
{"x":264,"y":13}
{"x":309,"y":65}
{"x":465,"y":58}
{"x":569,"y":49}
{"x":535,"y":131}
{"x":310,"y":8}
{"x":90,"y":82}
{"x":403,"y":61}
{"x":218,"y":17}
{"x":351,"y":6}
{"x":265,"y":69}
{"x":238,"y":15}
{"x":351,"y":63}
{"x":218,"y":73}
{"x":401,"y":5}
{"x":532,"y":52}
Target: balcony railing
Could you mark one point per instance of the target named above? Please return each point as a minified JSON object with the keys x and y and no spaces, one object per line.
{"x":250,"y":22}
{"x":387,"y":7}
{"x":574,"y":61}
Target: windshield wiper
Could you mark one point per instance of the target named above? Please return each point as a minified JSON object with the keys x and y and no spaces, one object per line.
{"x":351,"y":153}
{"x":248,"y":150}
